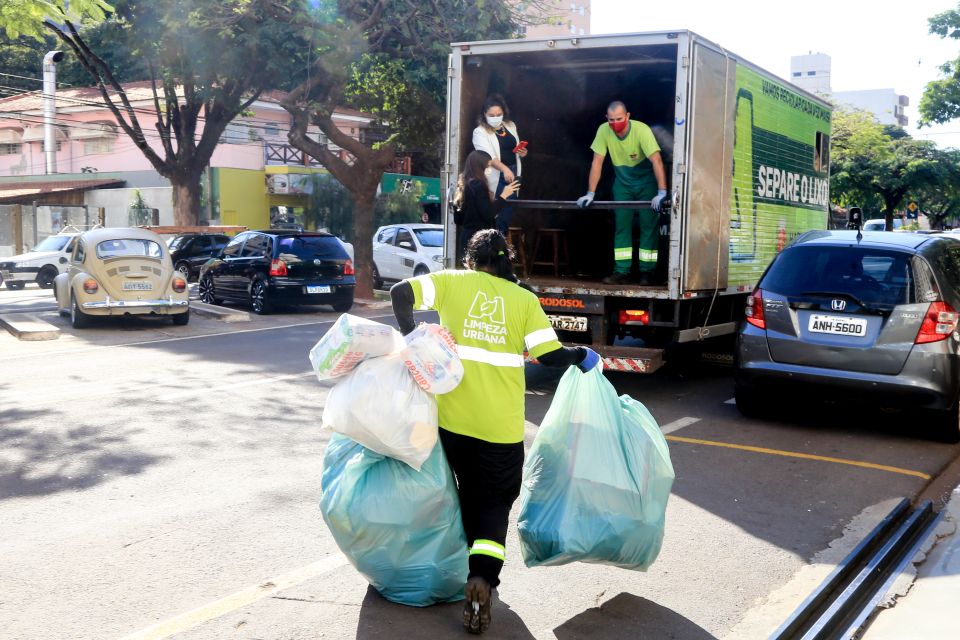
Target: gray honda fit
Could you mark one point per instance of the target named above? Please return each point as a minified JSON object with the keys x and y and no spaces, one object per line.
{"x":870,"y":317}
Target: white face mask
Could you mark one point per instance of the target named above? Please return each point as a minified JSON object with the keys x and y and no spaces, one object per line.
{"x":495,"y":121}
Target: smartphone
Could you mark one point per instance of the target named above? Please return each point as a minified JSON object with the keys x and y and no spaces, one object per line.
{"x":520,"y":145}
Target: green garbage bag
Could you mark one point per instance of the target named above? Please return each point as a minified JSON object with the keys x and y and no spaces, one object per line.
{"x":596,"y":481}
{"x":399,"y":527}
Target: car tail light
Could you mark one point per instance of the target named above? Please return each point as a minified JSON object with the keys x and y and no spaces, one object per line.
{"x":278,"y":267}
{"x":939,"y":322}
{"x":348,"y":268}
{"x":179,"y":285}
{"x":90,"y":285}
{"x":634,"y":316}
{"x":754,"y":310}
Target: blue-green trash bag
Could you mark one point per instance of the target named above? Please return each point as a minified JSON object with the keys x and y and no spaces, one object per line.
{"x":400,"y":528}
{"x":596,"y":481}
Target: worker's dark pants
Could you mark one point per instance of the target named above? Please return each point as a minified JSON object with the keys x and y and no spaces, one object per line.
{"x":488,"y":482}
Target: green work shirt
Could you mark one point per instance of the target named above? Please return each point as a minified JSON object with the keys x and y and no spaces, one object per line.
{"x":629,"y":155}
{"x":493,"y":321}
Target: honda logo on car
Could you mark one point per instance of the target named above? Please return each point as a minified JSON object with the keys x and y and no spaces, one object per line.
{"x":564,"y":303}
{"x":838,"y":305}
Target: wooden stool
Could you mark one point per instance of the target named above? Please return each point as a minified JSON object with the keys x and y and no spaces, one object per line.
{"x":518,"y":240}
{"x":556,"y":236}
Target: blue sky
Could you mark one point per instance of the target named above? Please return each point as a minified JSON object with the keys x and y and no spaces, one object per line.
{"x":873,"y":45}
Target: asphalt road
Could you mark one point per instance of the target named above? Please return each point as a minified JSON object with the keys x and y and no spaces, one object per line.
{"x":163,"y":481}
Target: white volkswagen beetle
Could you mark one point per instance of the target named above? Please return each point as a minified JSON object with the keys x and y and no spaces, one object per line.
{"x":121,"y":272}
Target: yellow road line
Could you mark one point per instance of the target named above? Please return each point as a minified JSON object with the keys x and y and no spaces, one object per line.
{"x":805,"y":456}
{"x":237,"y":600}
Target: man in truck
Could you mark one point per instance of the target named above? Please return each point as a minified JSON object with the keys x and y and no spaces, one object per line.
{"x":639,"y":175}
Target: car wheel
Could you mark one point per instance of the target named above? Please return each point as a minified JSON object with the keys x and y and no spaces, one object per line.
{"x":46,"y":276}
{"x":343,"y":306}
{"x":377,"y":280}
{"x":15,"y":286}
{"x":750,"y":404}
{"x":184,"y":269}
{"x":258,"y":298}
{"x":421,"y":270}
{"x":207,"y":293}
{"x":78,"y":319}
{"x":947,"y":424}
{"x":181,"y":319}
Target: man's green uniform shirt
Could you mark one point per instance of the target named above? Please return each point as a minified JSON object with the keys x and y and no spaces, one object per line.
{"x":493,"y":321}
{"x":629,"y":155}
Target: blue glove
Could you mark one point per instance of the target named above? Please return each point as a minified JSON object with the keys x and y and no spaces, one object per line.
{"x":591,"y":360}
{"x":584,"y":201}
{"x":657,"y":199}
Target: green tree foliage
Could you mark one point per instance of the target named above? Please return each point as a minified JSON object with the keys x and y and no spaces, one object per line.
{"x":386,"y":57}
{"x":940,"y":197}
{"x":874,"y":167}
{"x":941,"y":98}
{"x":208,"y":62}
{"x":26,"y":17}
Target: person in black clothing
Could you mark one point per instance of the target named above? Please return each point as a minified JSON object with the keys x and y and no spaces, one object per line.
{"x":476,"y":206}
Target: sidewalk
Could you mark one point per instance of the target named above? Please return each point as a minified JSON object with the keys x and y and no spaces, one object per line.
{"x":929,"y":610}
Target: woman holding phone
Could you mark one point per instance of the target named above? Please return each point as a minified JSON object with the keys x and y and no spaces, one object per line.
{"x":496,"y":134}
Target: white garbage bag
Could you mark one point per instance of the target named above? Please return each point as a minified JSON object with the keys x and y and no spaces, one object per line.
{"x":431,"y":356}
{"x":380,"y":406}
{"x":350,"y":341}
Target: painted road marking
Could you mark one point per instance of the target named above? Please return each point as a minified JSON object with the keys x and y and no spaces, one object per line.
{"x":676,"y":425}
{"x":234,"y":601}
{"x":805,"y":456}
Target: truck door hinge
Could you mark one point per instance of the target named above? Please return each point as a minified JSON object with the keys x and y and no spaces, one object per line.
{"x":681,"y":168}
{"x":685,"y":61}
{"x":674,"y":273}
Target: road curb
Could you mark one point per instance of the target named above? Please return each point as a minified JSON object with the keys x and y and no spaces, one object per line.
{"x":219,"y":313}
{"x":26,"y":326}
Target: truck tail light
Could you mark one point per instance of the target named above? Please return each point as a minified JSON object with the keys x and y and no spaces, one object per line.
{"x":90,"y":285}
{"x":348,"y":268}
{"x":278,"y":267}
{"x":938,"y":324}
{"x":634,"y":317}
{"x":754,"y":310}
{"x":179,"y":285}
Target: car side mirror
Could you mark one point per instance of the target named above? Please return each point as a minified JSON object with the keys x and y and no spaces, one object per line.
{"x":405,"y":245}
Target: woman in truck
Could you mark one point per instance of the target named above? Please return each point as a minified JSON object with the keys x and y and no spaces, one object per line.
{"x":494,"y":321}
{"x":496,"y":134}
{"x":475,"y":207}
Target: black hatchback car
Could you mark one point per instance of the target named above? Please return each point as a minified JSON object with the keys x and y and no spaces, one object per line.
{"x":871,"y":318}
{"x":280,"y":267}
{"x":191,"y":250}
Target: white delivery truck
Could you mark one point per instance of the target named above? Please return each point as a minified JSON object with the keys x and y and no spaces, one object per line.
{"x":747,"y":162}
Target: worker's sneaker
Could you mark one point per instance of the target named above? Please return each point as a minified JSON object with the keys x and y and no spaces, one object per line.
{"x":476,"y":610}
{"x":617,"y":278}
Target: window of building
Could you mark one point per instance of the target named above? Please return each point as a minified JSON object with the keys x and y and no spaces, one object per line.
{"x":811,"y":73}
{"x":582,"y":32}
{"x":796,"y":74}
{"x":271,"y":130}
{"x":12,"y":149}
{"x":582,"y":10}
{"x":97,"y":145}
{"x":573,"y":30}
{"x":821,"y":153}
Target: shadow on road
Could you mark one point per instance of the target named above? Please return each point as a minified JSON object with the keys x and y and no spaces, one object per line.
{"x":380,"y":618}
{"x":629,"y":617}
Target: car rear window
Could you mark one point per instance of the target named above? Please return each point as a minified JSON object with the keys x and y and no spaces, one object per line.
{"x":128,"y":247}
{"x":875,"y":276}
{"x":300,"y":248}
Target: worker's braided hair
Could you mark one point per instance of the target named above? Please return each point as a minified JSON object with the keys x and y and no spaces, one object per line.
{"x":488,"y":251}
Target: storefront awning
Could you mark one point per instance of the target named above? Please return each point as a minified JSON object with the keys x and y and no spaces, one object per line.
{"x":35,"y":134}
{"x":427,"y":188}
{"x":93,"y":131}
{"x":10,"y":136}
{"x":26,"y":192}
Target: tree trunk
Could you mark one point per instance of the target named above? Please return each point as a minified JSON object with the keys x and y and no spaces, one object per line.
{"x":186,"y":199}
{"x":363,"y":219}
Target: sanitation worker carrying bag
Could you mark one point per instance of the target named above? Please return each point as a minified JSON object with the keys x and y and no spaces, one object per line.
{"x":596,"y":481}
{"x":399,"y":527}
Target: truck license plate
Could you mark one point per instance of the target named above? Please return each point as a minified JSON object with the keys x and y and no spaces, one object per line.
{"x":318,"y":288}
{"x":137,"y":286}
{"x":837,"y":325}
{"x":568,"y":323}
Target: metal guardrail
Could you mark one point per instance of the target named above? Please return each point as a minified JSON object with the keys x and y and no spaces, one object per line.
{"x":846,"y":599}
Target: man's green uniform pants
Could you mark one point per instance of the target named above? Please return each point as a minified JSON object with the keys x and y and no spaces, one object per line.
{"x":648,"y":229}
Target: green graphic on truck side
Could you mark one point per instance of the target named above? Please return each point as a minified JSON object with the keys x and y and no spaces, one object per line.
{"x":780,"y":172}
